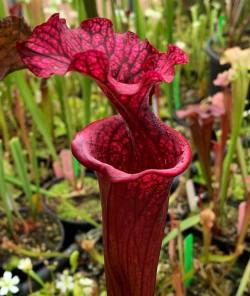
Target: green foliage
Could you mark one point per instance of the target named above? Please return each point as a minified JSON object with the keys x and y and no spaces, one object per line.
{"x":237,"y":187}
{"x":2,"y":9}
{"x":79,"y":208}
{"x":34,"y":162}
{"x":21,"y":169}
{"x":244,"y":280}
{"x":184,"y":225}
{"x":194,"y":33}
{"x":73,"y":260}
{"x":199,"y":176}
{"x":30,"y":102}
{"x":4,"y":193}
{"x":139,"y":19}
{"x":86,"y":90}
{"x":240,"y":84}
{"x":66,"y":113}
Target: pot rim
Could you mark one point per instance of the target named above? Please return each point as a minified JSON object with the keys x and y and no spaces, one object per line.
{"x":59,"y":245}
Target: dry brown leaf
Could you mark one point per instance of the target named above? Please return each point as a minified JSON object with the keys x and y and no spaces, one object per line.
{"x":12,"y":29}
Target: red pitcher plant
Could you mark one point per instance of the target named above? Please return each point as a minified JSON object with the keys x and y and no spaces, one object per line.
{"x":135,"y":155}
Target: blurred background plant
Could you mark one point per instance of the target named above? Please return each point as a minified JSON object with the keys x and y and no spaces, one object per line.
{"x":208,"y":226}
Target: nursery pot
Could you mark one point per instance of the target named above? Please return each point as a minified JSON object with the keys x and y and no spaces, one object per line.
{"x":71,"y":227}
{"x":38,"y":264}
{"x":134,"y":206}
{"x":214,"y":67}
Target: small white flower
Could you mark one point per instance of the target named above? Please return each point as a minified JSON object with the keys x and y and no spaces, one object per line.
{"x":25,"y":265}
{"x":65,"y":282}
{"x":8,"y":284}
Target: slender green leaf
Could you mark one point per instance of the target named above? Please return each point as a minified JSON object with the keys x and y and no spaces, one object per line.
{"x":21,"y":169}
{"x":239,"y":93}
{"x":16,"y":182}
{"x":219,"y":258}
{"x":90,"y":8}
{"x":35,"y":167}
{"x":176,"y":88}
{"x":188,"y":257}
{"x":36,"y":278}
{"x":3,"y":8}
{"x":169,"y":13}
{"x":73,"y":260}
{"x":115,"y":21}
{"x":37,"y":115}
{"x":65,"y":108}
{"x":80,"y":8}
{"x":86,"y":89}
{"x":3,"y":123}
{"x":184,"y":225}
{"x":4,"y":194}
{"x":244,"y":280}
{"x":104,"y":8}
{"x":139,"y":19}
{"x":47,"y":106}
{"x":76,"y":167}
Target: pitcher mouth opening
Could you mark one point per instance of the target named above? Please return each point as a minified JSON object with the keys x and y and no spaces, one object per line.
{"x":90,"y":148}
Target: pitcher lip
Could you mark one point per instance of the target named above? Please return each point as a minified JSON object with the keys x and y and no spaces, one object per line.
{"x":83,"y":155}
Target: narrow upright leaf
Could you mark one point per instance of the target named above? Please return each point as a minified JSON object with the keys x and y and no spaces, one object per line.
{"x":21,"y":169}
{"x":139,"y":19}
{"x":188,"y":256}
{"x":37,"y":115}
{"x":244,"y":281}
{"x":4,"y":194}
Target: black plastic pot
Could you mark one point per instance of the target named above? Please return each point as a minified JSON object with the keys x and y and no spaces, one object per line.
{"x":59,"y":246}
{"x":214,"y":67}
{"x":39,"y":264}
{"x":71,"y":228}
{"x":175,"y":184}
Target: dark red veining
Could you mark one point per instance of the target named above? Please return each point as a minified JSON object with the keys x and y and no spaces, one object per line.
{"x":135,"y":155}
{"x":134,"y":205}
